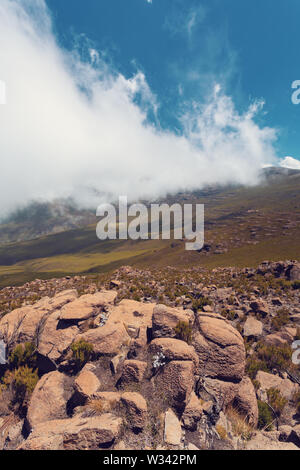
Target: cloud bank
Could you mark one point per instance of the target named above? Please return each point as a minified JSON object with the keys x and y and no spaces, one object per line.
{"x":73,"y":127}
{"x":290,"y":162}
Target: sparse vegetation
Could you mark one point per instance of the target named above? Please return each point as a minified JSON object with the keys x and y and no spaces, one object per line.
{"x":265,"y":416}
{"x":184,"y":331}
{"x":82,"y":352}
{"x":21,"y":382}
{"x":282,"y":318}
{"x":240,"y":424}
{"x":276,"y":400}
{"x":23,"y":354}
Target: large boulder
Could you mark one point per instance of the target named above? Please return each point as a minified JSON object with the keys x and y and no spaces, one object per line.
{"x":78,"y":433}
{"x":192,"y":413}
{"x":87,"y":306}
{"x":246,"y":402}
{"x":173,"y":350}
{"x":266,"y":381}
{"x":136,"y":410}
{"x":49,"y":399}
{"x":107,"y":340}
{"x":133,"y":371}
{"x":23,"y":324}
{"x":53,"y":341}
{"x":253,"y":327}
{"x":165,"y":319}
{"x":86,"y":384}
{"x":173,"y":432}
{"x":175,"y":383}
{"x":220,"y":348}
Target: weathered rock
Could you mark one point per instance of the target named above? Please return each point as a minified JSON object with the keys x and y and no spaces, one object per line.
{"x":165,"y":319}
{"x":276,"y":339}
{"x":87,"y":306}
{"x":286,"y":387}
{"x":219,"y":391}
{"x":174,"y":350}
{"x":136,"y":409}
{"x":175,"y":382}
{"x":49,"y":399}
{"x":107,"y":340}
{"x":192,"y":413}
{"x":86,"y":384}
{"x":22,"y":324}
{"x":293,"y":273}
{"x":53,"y":341}
{"x":259,"y":306}
{"x":267,"y":441}
{"x":133,"y":371}
{"x":220,"y":348}
{"x":253,"y":327}
{"x":78,"y":433}
{"x":246,"y":402}
{"x":173,"y":432}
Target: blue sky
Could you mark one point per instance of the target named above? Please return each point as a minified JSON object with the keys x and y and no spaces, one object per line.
{"x":183,"y":46}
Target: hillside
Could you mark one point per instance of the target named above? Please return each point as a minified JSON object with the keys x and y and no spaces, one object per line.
{"x":243,"y":226}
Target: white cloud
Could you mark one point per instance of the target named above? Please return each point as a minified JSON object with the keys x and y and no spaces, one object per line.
{"x":290,"y":162}
{"x":72,"y":128}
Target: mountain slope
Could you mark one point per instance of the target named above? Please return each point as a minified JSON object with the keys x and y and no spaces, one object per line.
{"x":243,"y":226}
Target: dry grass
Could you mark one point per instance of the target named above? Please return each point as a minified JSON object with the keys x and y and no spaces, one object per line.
{"x":240,"y":424}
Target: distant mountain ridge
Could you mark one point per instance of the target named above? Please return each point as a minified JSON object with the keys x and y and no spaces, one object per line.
{"x":40,"y":219}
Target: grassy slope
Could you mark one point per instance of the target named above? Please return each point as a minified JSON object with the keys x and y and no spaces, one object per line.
{"x":271,"y":230}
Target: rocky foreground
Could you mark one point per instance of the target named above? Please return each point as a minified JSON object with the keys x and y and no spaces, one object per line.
{"x":205,"y":365}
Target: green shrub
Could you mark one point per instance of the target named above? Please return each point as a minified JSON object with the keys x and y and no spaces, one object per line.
{"x":253,"y":365}
{"x":276,"y":400}
{"x":281,"y":319}
{"x":183,"y":331}
{"x":198,"y":304}
{"x":278,"y":357}
{"x":265,"y":416}
{"x":23,"y":354}
{"x":296,"y":401}
{"x":22,"y":382}
{"x":82,"y":352}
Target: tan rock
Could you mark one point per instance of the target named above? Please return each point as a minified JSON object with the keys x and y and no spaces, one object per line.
{"x":245,"y":400}
{"x":136,"y":409}
{"x":87,"y":306}
{"x":107,"y":340}
{"x":49,"y":399}
{"x":259,"y":306}
{"x":220,"y":349}
{"x":175,"y":383}
{"x":86,"y":384}
{"x":174,"y":350}
{"x":223,"y":392}
{"x":133,"y":371}
{"x":165,"y":319}
{"x":21,"y":325}
{"x":54,"y":342}
{"x":286,"y":387}
{"x":173,"y":432}
{"x":192,"y":413}
{"x":253,"y":327}
{"x":78,"y":433}
{"x":266,"y":441}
